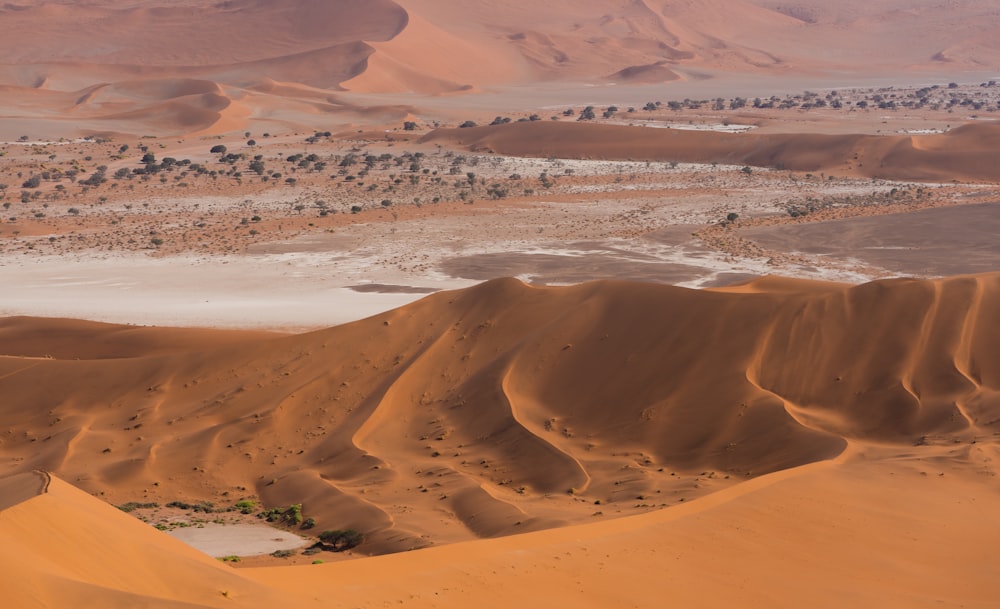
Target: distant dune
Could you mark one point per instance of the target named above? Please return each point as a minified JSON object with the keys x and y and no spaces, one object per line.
{"x":432,"y":47}
{"x":966,"y":153}
{"x":496,"y":398}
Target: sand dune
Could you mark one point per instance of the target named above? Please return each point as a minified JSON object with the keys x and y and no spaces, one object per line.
{"x":896,"y":535}
{"x":65,"y":548}
{"x":430,"y":47}
{"x":856,"y":426}
{"x":505,"y":408}
{"x":780,"y":443}
{"x":964,"y":153}
{"x":877,"y":528}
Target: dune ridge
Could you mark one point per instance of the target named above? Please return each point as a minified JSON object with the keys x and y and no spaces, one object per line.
{"x":505,"y":408}
{"x":964,"y":153}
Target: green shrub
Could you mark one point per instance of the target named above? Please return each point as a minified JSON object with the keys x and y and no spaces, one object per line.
{"x":246,"y":506}
{"x":340,"y":540}
{"x":291,"y":515}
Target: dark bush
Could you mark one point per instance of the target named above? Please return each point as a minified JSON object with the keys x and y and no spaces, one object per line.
{"x":338,"y":541}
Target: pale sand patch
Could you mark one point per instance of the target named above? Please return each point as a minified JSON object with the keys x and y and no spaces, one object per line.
{"x":220,"y":540}
{"x":235,"y":292}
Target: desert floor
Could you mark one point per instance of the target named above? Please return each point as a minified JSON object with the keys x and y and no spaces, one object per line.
{"x":623,"y":308}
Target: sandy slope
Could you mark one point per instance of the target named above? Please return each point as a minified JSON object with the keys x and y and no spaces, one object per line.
{"x":885,"y":527}
{"x":64,"y":548}
{"x":504,"y":408}
{"x":964,"y":153}
{"x":898,"y":534}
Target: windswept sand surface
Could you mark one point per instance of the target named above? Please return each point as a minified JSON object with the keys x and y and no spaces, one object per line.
{"x":411,"y":283}
{"x":637,"y":428}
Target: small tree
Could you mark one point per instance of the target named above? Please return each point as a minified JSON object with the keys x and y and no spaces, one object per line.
{"x":338,"y":541}
{"x":218,"y":149}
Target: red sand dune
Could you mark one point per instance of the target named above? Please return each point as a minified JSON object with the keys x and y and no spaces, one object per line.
{"x":505,"y":408}
{"x":64,"y":548}
{"x":862,"y":422}
{"x":966,"y":153}
{"x":433,"y":47}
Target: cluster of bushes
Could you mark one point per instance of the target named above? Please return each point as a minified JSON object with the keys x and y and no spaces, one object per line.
{"x":132,"y":506}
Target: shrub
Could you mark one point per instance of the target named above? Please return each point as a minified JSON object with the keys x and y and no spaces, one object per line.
{"x":290,"y":515}
{"x":131,"y":506}
{"x":340,"y":540}
{"x":246,"y":506}
{"x":218,"y":149}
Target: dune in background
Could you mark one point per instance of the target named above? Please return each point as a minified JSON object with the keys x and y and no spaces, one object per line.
{"x":832,"y":442}
{"x":57,"y":54}
{"x":505,"y":408}
{"x":965,"y":153}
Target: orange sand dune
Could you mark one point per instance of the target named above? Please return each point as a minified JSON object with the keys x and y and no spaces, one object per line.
{"x":861,"y":421}
{"x":490,"y":43}
{"x":88,"y":57}
{"x":965,"y":153}
{"x":876,"y":528}
{"x":88,"y":340}
{"x":506,"y":408}
{"x":898,"y":534}
{"x":430,"y":46}
{"x":146,"y":34}
{"x":64,"y":548}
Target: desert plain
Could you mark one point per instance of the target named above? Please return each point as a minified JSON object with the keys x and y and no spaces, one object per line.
{"x":369,"y":303}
